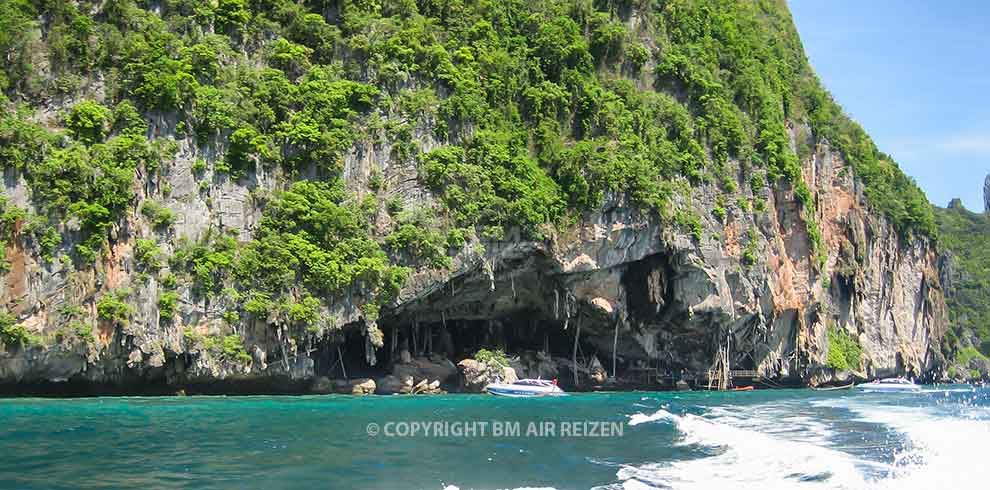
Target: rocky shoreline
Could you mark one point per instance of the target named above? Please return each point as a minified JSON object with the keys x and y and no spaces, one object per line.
{"x":408,"y":375}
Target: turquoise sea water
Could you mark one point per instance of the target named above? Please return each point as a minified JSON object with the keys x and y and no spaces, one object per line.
{"x":761,"y":439}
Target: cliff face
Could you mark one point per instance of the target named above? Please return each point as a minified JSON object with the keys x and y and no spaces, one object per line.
{"x":962,"y":235}
{"x":645,"y":206}
{"x":665,"y":298}
{"x":673,"y":298}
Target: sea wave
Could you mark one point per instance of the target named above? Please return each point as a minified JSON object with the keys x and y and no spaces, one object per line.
{"x":743,"y":458}
{"x":947,"y":444}
{"x":782,"y":447}
{"x":454,"y":487}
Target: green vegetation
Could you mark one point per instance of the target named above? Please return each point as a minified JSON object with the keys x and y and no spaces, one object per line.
{"x":964,"y":234}
{"x":541,"y":116}
{"x":147,"y":253}
{"x":227,"y":347}
{"x":112,"y":307}
{"x":9,"y":216}
{"x":90,"y":182}
{"x":88,"y":121}
{"x":967,"y":354}
{"x":48,"y":242}
{"x":311,"y":243}
{"x":541,"y":111}
{"x":305,"y":312}
{"x":750,"y":250}
{"x":160,"y":216}
{"x":844,"y":351}
{"x":168,"y":303}
{"x":13,"y":333}
{"x":74,"y":329}
{"x":75,"y":332}
{"x":415,"y":235}
{"x":491,"y":357}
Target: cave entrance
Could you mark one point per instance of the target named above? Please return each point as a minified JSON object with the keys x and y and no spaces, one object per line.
{"x":343,"y":356}
{"x":513,"y":334}
{"x":743,"y":361}
{"x":461,"y":338}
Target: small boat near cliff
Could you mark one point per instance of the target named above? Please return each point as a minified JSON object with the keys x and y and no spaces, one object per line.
{"x":890,"y":385}
{"x":525,"y":388}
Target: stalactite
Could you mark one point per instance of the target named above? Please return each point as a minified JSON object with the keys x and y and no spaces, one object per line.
{"x":285,"y":356}
{"x":369,"y":352}
{"x":489,"y":269}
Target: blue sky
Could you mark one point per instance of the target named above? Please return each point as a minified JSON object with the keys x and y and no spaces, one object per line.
{"x":916,"y":75}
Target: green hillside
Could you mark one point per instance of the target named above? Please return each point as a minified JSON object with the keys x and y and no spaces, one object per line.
{"x":539,"y":110}
{"x":965,"y":235}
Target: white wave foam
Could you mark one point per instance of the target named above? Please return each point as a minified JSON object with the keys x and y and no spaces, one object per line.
{"x":786,"y":445}
{"x":945,"y":452}
{"x":786,"y":420}
{"x":743,"y":459}
{"x":642,"y":418}
{"x":455,"y":487}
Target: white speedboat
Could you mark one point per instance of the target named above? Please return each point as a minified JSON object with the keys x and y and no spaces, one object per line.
{"x":890,"y":385}
{"x":525,"y":388}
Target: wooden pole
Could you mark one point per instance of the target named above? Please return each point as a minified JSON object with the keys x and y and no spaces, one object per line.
{"x":415,"y":331}
{"x":728,"y":367}
{"x":343,"y":368}
{"x":615,"y":346}
{"x":577,"y":336}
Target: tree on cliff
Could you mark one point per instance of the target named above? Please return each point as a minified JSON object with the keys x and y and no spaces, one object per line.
{"x":966,"y":236}
{"x":518,"y":116}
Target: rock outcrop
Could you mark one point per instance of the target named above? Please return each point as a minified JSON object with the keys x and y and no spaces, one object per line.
{"x":726,"y":264}
{"x":476,"y":375}
{"x":419,"y":375}
{"x":658,"y":294}
{"x":431,"y":368}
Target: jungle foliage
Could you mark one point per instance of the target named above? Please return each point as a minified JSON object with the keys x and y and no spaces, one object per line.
{"x":964,"y":234}
{"x":844,"y":351}
{"x":540,"y":111}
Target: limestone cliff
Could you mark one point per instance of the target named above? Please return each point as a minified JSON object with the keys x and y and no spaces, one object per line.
{"x":653,"y":184}
{"x":673,"y":298}
{"x":962,"y":237}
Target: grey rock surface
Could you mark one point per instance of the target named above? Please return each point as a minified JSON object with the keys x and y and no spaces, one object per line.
{"x":639,"y":282}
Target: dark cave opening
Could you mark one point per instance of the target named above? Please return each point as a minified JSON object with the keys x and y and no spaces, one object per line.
{"x":461,"y":338}
{"x":647,"y":287}
{"x":455,"y":339}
